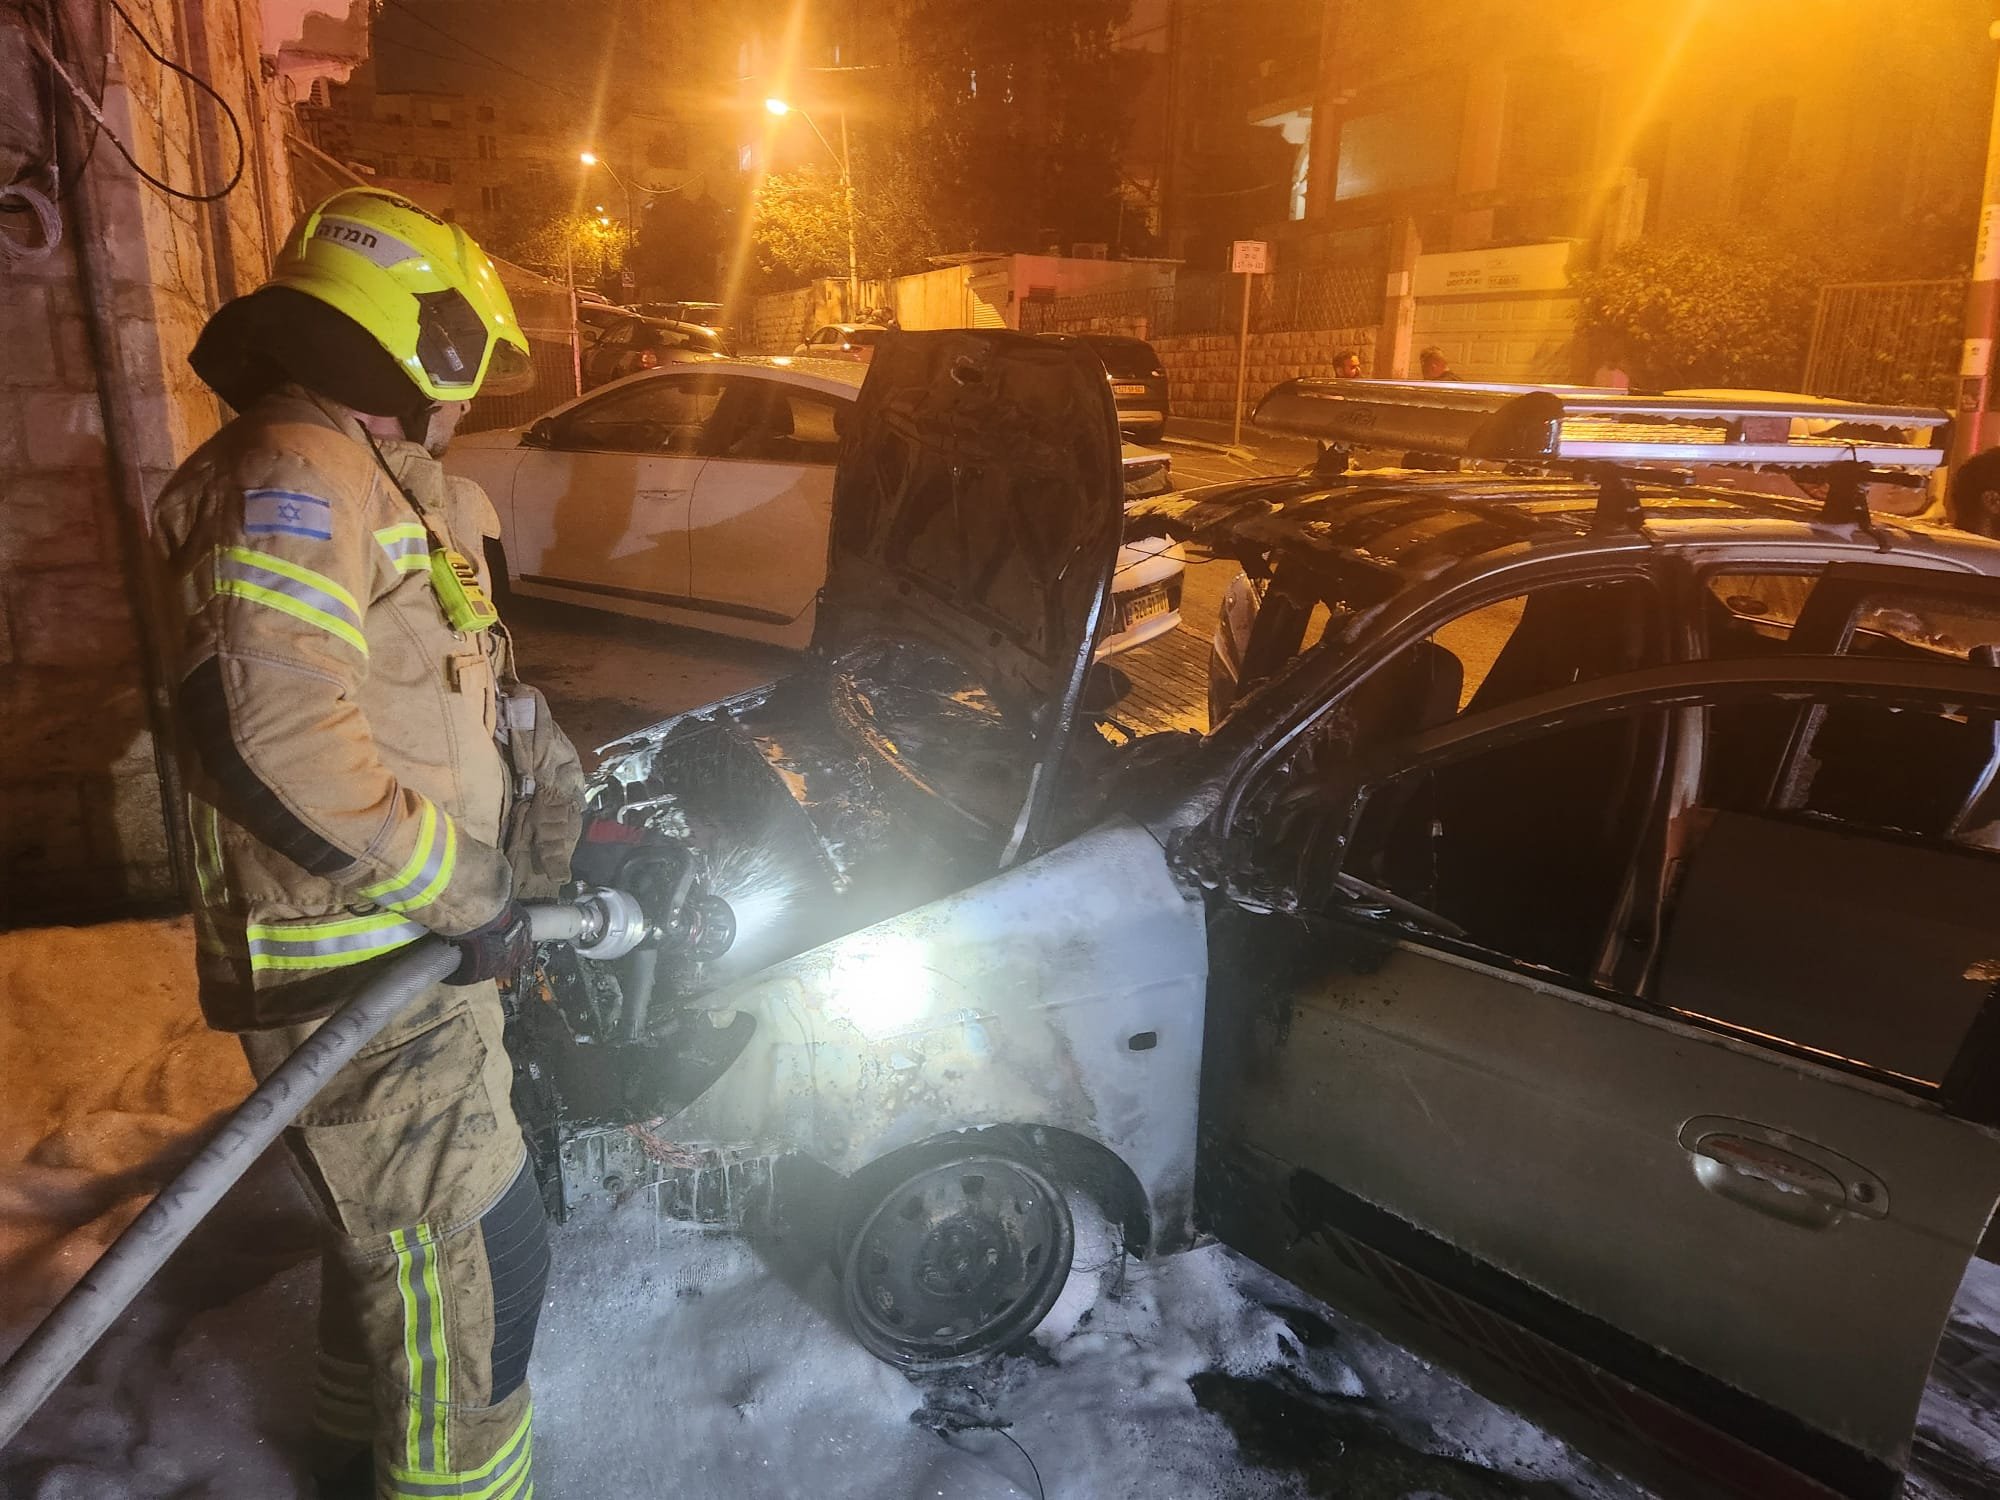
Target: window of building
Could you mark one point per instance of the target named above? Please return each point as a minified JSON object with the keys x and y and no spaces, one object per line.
{"x":488,"y":148}
{"x":484,"y":112}
{"x":489,"y":199}
{"x":391,"y":167}
{"x":441,"y":170}
{"x":1414,"y":144}
{"x":1549,"y":129}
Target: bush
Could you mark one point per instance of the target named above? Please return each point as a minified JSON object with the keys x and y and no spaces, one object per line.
{"x":1714,"y":306}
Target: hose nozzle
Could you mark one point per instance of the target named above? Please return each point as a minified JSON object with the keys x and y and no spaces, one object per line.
{"x":705,"y":928}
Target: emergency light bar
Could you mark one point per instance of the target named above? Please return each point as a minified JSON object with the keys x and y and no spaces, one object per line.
{"x":1540,"y":425}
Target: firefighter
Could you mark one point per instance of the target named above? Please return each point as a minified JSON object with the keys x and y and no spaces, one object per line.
{"x":362,"y":769}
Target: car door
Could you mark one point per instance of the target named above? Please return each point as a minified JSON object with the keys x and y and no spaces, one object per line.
{"x":1714,"y":1215}
{"x":604,"y":507}
{"x":758,"y":535}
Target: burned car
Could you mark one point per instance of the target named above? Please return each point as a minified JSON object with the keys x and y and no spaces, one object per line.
{"x":1576,"y":933}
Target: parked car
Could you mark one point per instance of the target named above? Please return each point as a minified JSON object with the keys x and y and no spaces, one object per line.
{"x":595,"y":319}
{"x":699,"y":495}
{"x":1138,"y":381}
{"x":855,"y":341}
{"x":707,"y":314}
{"x":632,"y":344}
{"x":1573,"y":951}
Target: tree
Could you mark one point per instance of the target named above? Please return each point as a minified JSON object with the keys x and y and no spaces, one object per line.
{"x":679,"y":249}
{"x":1715,"y":305}
{"x":544,"y":229}
{"x":1021,"y":111}
{"x":800,"y":225}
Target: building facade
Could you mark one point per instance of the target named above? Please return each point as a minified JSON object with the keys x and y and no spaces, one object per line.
{"x":1453,"y":144}
{"x":98,"y":310}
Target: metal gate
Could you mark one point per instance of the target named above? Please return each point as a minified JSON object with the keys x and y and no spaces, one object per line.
{"x":1888,"y":341}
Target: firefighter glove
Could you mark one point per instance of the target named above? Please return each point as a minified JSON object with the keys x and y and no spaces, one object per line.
{"x":499,"y":949}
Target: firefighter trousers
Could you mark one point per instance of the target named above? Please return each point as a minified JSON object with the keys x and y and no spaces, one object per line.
{"x":436,"y":1255}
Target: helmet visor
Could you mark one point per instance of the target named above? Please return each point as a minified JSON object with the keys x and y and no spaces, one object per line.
{"x":510,"y":373}
{"x":451,"y":340}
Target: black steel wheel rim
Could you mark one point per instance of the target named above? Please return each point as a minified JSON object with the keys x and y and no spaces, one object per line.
{"x":958,"y":1261}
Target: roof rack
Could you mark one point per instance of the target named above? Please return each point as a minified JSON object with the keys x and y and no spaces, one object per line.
{"x":1573,"y":426}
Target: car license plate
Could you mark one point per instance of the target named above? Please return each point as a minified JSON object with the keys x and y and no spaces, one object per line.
{"x":1145,"y":604}
{"x":1128,"y":390}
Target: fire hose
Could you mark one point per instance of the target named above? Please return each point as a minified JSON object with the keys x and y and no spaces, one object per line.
{"x":602,"y":924}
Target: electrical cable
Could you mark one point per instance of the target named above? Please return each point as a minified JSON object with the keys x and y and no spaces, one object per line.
{"x":1034,"y":1468}
{"x":20,"y":196}
{"x":45,"y":46}
{"x":457,"y":41}
{"x":56,"y":36}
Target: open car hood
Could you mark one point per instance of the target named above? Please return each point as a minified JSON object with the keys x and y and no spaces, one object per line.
{"x":977,"y":511}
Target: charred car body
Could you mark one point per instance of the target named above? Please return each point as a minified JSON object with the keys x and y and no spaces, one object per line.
{"x":1576,"y":933}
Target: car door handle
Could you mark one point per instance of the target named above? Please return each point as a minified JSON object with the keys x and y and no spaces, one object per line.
{"x":1779,"y":1175}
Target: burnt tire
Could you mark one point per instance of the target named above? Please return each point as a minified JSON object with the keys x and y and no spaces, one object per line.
{"x":955,"y":1256}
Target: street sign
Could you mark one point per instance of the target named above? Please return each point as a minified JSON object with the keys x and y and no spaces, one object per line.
{"x":1250,"y":256}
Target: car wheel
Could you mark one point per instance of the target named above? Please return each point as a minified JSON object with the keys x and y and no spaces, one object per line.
{"x":499,"y":586}
{"x":959,"y":1257}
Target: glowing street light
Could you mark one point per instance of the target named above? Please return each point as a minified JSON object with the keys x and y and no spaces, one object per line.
{"x":781,"y":108}
{"x":592,"y":159}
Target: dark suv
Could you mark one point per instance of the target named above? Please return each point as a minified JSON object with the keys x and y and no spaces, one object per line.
{"x":1138,"y":381}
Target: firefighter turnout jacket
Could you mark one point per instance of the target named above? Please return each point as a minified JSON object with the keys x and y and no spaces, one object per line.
{"x":339,"y":712}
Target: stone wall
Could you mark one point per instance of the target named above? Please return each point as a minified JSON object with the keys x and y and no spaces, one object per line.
{"x":81,"y":825}
{"x":777,"y":321}
{"x":1201,"y":367}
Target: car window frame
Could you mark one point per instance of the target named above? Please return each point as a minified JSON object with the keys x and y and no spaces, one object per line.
{"x":1318,"y":679}
{"x":1826,"y":624}
{"x":560,"y":442}
{"x":738,"y":380}
{"x":1699,"y":685}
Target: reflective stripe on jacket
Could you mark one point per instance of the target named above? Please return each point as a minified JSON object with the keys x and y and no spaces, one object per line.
{"x":336,"y":734}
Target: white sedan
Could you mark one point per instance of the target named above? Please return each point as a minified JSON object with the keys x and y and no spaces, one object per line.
{"x":701,"y":495}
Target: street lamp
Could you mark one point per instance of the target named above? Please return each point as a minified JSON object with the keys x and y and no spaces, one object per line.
{"x":592,"y":159}
{"x":781,"y":108}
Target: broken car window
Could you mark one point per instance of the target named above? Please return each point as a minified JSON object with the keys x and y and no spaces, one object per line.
{"x":1828,"y":897}
{"x":1900,"y":622}
{"x":1521,"y":849}
{"x":1877,"y":768}
{"x":1524,"y":848}
{"x":1550,"y":638}
{"x":1748,"y":613}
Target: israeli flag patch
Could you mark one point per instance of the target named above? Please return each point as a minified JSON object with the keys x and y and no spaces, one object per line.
{"x":287,"y":513}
